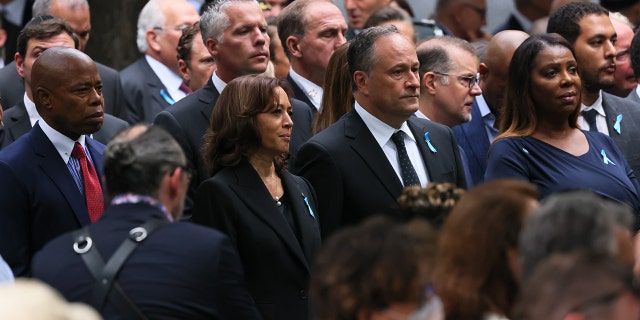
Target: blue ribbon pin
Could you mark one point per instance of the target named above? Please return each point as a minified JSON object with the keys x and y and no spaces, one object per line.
{"x":605,"y":158}
{"x":306,"y":200}
{"x":426,"y":139}
{"x":166,"y":97}
{"x":616,"y":126}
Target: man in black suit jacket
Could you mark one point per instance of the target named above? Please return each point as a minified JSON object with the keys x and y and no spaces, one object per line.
{"x":22,"y":15}
{"x":525,"y":13}
{"x":181,"y":270}
{"x":615,"y":116}
{"x":310,"y":30}
{"x":354,"y":165}
{"x":152,"y":83}
{"x":236,"y":56}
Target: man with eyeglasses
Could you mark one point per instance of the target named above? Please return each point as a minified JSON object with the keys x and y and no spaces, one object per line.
{"x":76,"y":14}
{"x":462,"y":19}
{"x":152,"y":83}
{"x":624,"y":79}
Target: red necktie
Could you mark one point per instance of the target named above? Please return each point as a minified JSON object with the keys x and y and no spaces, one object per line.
{"x":92,"y":189}
{"x":184,"y":88}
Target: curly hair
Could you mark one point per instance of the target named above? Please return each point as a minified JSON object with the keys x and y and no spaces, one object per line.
{"x":432,"y":203}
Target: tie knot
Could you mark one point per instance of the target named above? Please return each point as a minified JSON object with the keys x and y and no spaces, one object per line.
{"x":184,"y":88}
{"x":78,"y":151}
{"x":398,"y":138}
{"x":590,"y":115}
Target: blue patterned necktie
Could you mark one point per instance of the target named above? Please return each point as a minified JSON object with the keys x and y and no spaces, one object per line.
{"x":407,"y":171}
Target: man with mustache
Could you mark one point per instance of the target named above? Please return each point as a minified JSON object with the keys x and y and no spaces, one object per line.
{"x":359,"y":165}
{"x":588,"y":28}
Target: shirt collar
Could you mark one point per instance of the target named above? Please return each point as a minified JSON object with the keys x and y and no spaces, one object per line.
{"x":217,"y":82}
{"x":421,"y":115}
{"x":311,"y":90}
{"x":381,"y":131}
{"x":597,"y":105}
{"x":63,"y":144}
{"x":483,"y":107}
{"x":34,"y":116}
{"x":524,"y":22}
{"x":169,"y":79}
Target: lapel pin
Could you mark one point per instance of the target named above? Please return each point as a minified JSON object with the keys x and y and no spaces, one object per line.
{"x":428,"y":141}
{"x":306,"y":201}
{"x":605,"y":158}
{"x":616,"y":126}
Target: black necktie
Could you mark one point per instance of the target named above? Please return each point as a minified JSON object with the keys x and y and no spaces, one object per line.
{"x":409,"y":175}
{"x":590,"y":117}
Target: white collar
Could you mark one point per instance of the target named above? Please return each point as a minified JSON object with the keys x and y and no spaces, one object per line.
{"x":34,"y":116}
{"x":421,"y":115}
{"x":483,"y":107}
{"x":597,"y":105}
{"x":169,"y":79}
{"x":62,"y":143}
{"x":311,"y":90}
{"x":381,"y":131}
{"x":217,"y":82}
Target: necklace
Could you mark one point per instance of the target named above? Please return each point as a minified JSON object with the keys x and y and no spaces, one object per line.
{"x":278,"y":202}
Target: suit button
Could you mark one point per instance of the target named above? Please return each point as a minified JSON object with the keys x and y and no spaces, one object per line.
{"x":302,"y":295}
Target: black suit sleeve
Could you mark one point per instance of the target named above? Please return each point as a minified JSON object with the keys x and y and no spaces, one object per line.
{"x":15,"y":242}
{"x":315,"y":164}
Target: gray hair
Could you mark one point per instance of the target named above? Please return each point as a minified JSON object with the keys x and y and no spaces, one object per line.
{"x":150,"y":17}
{"x":43,"y":7}
{"x":569,"y":221}
{"x":434,"y":56}
{"x":362,"y":50}
{"x":215,"y":20}
{"x":137,"y":159}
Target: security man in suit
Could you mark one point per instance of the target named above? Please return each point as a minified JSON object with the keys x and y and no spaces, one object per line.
{"x":179,"y":271}
{"x":359,"y":165}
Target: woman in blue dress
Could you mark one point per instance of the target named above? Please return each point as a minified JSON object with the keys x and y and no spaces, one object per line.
{"x":541,"y":141}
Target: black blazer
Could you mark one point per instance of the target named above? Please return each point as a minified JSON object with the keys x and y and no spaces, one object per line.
{"x":277,"y":264}
{"x":299,"y":94}
{"x":353,"y":177}
{"x":12,"y":89}
{"x":510,"y":24}
{"x":17,"y":124}
{"x":181,"y":271}
{"x":142,"y":89}
{"x":189,"y":119}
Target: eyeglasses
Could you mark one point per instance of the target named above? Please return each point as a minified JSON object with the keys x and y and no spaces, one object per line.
{"x":179,"y":28}
{"x":482,"y":12}
{"x":470,"y":80}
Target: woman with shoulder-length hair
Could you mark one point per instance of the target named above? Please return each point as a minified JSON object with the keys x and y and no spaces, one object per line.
{"x":541,"y":141}
{"x":477,"y":271}
{"x":268,"y":213}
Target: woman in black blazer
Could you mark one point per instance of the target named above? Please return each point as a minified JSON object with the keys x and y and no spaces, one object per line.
{"x":269,"y":213}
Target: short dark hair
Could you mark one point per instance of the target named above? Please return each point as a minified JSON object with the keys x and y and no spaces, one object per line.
{"x":138,"y":164}
{"x":362,"y":50}
{"x":433,"y":55}
{"x":186,"y":42}
{"x":566,"y":20}
{"x":634,"y":52}
{"x":233,"y":133}
{"x":43,"y":27}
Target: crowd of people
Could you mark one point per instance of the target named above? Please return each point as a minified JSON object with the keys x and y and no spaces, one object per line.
{"x":275,"y":160}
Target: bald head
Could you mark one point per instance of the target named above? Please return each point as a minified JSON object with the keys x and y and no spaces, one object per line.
{"x":67,"y":91}
{"x":495,"y":67}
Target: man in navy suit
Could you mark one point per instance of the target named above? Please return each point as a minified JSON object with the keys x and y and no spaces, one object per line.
{"x":310,"y":30}
{"x":153,"y":83}
{"x":588,"y":28}
{"x":239,"y":48}
{"x":475,"y":137}
{"x":181,"y":270}
{"x":43,"y":190}
{"x":359,"y":165}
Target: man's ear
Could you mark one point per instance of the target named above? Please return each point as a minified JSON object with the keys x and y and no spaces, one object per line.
{"x":152,"y":40}
{"x":361,"y":79}
{"x":212,"y":47}
{"x":293,"y":44}
{"x":430,"y":83}
{"x":19,"y":64}
{"x":184,"y":70}
{"x":483,"y":70}
{"x":44,"y":96}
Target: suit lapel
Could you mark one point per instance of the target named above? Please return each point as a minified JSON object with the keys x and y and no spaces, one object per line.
{"x":307,"y":223}
{"x":208,"y":95}
{"x":254,"y":195}
{"x":369,"y":150}
{"x":18,"y":124}
{"x":52,"y":166}
{"x":611,"y":111}
{"x":475,"y":130}
{"x":155,"y":85}
{"x":299,"y":94}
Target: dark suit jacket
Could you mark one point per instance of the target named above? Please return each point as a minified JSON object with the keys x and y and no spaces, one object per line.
{"x":633,"y":96}
{"x":12,"y":89}
{"x":277,"y":264}
{"x":181,"y":271}
{"x":11,"y":44}
{"x":510,"y":24}
{"x":627,"y":139}
{"x":40,"y":200}
{"x":142,"y":91}
{"x":299,"y":94}
{"x":353,"y":177}
{"x":189,"y":119}
{"x":472,"y":138}
{"x":17,"y":124}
